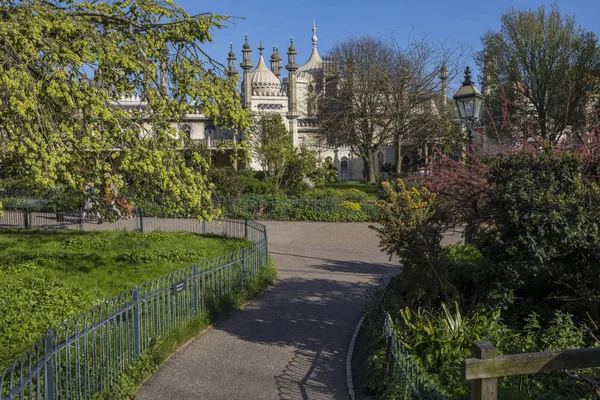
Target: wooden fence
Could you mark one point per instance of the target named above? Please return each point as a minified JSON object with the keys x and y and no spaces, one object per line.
{"x":485,"y":366}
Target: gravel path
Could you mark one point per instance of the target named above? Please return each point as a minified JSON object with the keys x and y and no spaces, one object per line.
{"x":291,"y":342}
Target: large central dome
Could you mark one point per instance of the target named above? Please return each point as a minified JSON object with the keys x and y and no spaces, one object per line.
{"x":264,"y":82}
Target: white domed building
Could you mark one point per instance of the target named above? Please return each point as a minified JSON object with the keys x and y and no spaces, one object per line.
{"x":295,"y":99}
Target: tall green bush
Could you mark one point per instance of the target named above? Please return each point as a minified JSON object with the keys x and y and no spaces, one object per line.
{"x":545,"y":239}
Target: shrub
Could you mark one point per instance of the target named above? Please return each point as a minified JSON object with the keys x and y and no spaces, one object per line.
{"x":230,"y":183}
{"x":545,"y":240}
{"x":354,"y":195}
{"x":439,"y":339}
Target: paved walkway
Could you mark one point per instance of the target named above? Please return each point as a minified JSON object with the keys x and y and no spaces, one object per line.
{"x":291,"y":342}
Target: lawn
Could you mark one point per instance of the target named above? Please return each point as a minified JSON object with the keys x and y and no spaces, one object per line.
{"x":46,"y":277}
{"x":369,"y":188}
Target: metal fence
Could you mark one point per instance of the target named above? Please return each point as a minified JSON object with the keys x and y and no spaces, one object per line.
{"x":411,"y":382}
{"x":84,"y":355}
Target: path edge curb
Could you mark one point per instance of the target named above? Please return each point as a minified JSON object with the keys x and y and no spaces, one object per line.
{"x":349,"y":359}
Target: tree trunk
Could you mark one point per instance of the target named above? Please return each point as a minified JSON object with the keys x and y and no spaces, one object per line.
{"x":369,"y":171}
{"x":398,"y":156}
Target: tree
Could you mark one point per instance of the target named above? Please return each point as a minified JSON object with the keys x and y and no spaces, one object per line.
{"x":270,"y":145}
{"x":537,"y":72}
{"x":385,"y":94}
{"x":64,"y":66}
{"x":413,"y":100}
{"x":353,"y":111}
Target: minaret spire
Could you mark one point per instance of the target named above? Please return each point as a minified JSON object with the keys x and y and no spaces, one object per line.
{"x":247,"y":67}
{"x":292,"y":113}
{"x":231,"y":71}
{"x":443,"y":78}
{"x":314,"y":36}
{"x":276,"y":62}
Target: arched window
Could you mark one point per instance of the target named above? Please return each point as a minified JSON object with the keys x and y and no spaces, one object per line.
{"x":380,"y":160}
{"x":329,"y":160}
{"x":344,"y":166}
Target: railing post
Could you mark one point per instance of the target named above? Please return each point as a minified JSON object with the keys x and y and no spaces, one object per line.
{"x":25,"y":219}
{"x":484,"y":389}
{"x":137,"y":334}
{"x":141,"y":216}
{"x":203,"y":226}
{"x":244,"y":276}
{"x":246,"y":229}
{"x":266,"y":245}
{"x":196,"y":294}
{"x":81,"y":219}
{"x":49,"y":367}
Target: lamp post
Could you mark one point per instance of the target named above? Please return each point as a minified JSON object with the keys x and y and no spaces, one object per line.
{"x":469,"y":102}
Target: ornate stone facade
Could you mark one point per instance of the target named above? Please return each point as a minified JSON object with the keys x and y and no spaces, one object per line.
{"x":294,"y":98}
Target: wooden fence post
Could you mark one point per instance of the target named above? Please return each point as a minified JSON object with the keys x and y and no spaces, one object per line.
{"x":484,"y":389}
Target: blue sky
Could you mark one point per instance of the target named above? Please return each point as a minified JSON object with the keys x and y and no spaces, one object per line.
{"x":274,"y":22}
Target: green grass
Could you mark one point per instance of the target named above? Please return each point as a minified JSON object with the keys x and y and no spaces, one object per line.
{"x":104,"y":264}
{"x":368,"y":188}
{"x":47,"y":277}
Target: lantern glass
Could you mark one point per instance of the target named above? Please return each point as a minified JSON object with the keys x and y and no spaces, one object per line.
{"x":477,"y":108}
{"x":465,"y":108}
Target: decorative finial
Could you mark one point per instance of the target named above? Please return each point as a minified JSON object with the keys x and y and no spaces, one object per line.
{"x":291,"y":40}
{"x":261,"y":48}
{"x":230,"y":45}
{"x":246,"y":38}
{"x":314,"y":36}
{"x":468,"y":80}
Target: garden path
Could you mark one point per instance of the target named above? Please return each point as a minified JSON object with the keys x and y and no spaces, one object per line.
{"x":291,"y":342}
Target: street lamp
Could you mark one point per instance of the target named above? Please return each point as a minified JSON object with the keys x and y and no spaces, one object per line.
{"x":469,"y":102}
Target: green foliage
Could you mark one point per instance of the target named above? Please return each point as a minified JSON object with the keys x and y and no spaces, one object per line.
{"x":283,"y":208}
{"x":30,"y":304}
{"x":271,"y":146}
{"x":177,"y":254}
{"x":545,"y":238}
{"x":230,"y":183}
{"x":540,"y":66}
{"x":369,"y":188}
{"x":526,"y":283}
{"x":440,"y":338}
{"x":67,"y":272}
{"x":306,"y":170}
{"x":545,"y":208}
{"x":351,"y":194}
{"x":62,"y":122}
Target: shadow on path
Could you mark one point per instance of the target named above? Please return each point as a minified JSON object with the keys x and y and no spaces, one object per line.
{"x":315,"y":315}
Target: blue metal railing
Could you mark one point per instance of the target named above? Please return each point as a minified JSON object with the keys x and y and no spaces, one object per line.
{"x":410,"y":382}
{"x":83,"y":356}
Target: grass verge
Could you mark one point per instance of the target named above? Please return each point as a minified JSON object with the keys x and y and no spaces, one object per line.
{"x":47,"y":277}
{"x":129,"y":382}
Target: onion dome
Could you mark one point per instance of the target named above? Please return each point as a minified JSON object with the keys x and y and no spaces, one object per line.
{"x":312,"y":69}
{"x":264,"y":82}
{"x":246,"y":44}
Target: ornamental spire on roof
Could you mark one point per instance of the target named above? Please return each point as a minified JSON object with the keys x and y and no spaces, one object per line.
{"x":314,"y":36}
